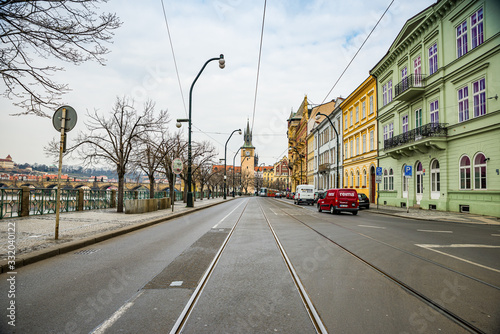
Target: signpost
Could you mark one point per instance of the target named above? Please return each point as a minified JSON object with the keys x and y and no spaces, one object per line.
{"x":64,"y":120}
{"x":408,"y":175}
{"x":378,"y":180}
{"x":177,"y":167}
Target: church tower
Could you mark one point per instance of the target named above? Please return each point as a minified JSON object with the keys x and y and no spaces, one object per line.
{"x":248,"y":162}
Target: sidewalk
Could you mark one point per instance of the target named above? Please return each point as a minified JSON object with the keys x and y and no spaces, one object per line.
{"x":447,"y":216}
{"x":35,"y":234}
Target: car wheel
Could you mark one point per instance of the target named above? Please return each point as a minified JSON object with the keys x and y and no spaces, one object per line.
{"x":319,"y":209}
{"x":332,"y":210}
{"x":355,"y":213}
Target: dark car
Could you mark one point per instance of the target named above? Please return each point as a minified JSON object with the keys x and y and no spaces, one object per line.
{"x":364,"y":201}
{"x":320,"y":194}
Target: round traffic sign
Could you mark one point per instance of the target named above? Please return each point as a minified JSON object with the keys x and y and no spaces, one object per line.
{"x":71,"y":119}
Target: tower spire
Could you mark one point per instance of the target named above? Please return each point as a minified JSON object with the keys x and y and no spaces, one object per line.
{"x":248,"y":135}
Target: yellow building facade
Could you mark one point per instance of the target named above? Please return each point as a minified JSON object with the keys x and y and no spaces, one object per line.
{"x":359,"y":117}
{"x":297,"y":144}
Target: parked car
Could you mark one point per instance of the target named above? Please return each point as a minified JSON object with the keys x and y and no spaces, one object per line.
{"x":320,"y":194}
{"x":290,"y":195}
{"x":364,"y":201}
{"x":277,"y":195}
{"x":337,"y":200}
{"x":304,"y":194}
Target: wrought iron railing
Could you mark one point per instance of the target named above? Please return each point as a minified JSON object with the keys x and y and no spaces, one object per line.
{"x":10,"y":202}
{"x":411,"y":81}
{"x":323,"y":167}
{"x":424,"y":131}
{"x":96,"y":199}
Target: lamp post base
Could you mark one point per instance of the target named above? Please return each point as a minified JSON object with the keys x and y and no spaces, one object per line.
{"x":190,"y":203}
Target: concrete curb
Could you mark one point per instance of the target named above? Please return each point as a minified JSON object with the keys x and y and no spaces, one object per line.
{"x":29,"y":258}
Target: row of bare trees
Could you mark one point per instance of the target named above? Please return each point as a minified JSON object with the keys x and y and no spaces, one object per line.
{"x":133,"y":140}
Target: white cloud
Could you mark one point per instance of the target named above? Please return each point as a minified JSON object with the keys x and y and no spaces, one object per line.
{"x":305,"y":48}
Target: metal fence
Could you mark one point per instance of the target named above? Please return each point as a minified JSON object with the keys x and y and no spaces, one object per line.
{"x":43,"y":200}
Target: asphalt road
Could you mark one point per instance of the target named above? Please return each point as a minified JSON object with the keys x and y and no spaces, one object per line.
{"x":364,"y":273}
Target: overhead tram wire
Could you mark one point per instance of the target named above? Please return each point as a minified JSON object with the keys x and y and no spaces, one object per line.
{"x":366,"y":39}
{"x":178,"y":77}
{"x":258,"y":65}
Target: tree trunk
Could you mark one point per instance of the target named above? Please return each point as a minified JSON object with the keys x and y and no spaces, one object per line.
{"x":151,"y":186}
{"x":121,"y":188}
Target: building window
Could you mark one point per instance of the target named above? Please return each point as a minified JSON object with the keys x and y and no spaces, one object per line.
{"x":352,"y":148}
{"x":479,"y":96}
{"x":477,"y":28}
{"x":433,"y":66}
{"x":434,"y":109}
{"x":480,"y":171}
{"x":391,"y":130}
{"x":391,"y":179}
{"x":371,"y":104}
{"x":404,"y":78}
{"x":417,"y":70}
{"x":462,"y":39}
{"x":372,"y":140}
{"x":352,"y":180}
{"x":357,"y":179}
{"x":405,"y":123}
{"x":357,"y":145}
{"x":404,"y":182}
{"x":345,"y":150}
{"x":346,"y":182}
{"x":389,"y":91}
{"x":418,"y":118}
{"x":465,"y":173}
{"x":363,"y":109}
{"x":357,"y":113}
{"x":345,"y":119}
{"x":386,"y":180}
{"x":435,"y":177}
{"x":350,"y":118}
{"x":364,"y":142}
{"x":364,"y":178}
{"x":463,"y":104}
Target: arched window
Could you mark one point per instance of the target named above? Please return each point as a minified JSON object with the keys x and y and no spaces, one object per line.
{"x":435,"y":177}
{"x":357,"y":179}
{"x":391,"y":179}
{"x":352,"y":179}
{"x":419,"y":178}
{"x":386,"y":180}
{"x":364,"y":178}
{"x":346,"y":180}
{"x":465,"y":173}
{"x":480,"y":171}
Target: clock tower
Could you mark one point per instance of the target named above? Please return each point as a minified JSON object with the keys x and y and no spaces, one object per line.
{"x":248,"y":161}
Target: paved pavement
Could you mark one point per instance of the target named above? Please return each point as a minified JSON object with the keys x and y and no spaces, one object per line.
{"x":35,"y":234}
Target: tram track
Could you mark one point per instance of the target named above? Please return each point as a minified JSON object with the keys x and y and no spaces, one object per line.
{"x":434,"y":304}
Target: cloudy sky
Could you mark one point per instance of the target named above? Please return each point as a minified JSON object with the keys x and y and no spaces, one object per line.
{"x":306,"y":46}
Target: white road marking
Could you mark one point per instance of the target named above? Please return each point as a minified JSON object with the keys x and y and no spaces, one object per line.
{"x":111,"y":320}
{"x":372,"y":226}
{"x":431,"y":247}
{"x":434,"y":231}
{"x":216,"y":225}
{"x":495,"y":235}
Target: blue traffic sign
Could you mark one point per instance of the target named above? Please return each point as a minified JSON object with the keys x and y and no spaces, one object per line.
{"x":378,"y":171}
{"x":408,"y":171}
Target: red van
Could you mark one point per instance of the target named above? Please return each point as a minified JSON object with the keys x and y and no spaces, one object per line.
{"x":337,"y":200}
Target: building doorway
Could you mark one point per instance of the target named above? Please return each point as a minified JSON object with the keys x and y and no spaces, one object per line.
{"x":373,"y":185}
{"x":419,"y":189}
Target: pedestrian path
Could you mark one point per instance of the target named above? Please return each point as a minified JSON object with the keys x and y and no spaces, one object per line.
{"x":34,"y":235}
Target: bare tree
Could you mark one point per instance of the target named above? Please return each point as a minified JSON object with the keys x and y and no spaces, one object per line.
{"x":68,"y":30}
{"x":113,"y":139}
{"x":202,"y":153}
{"x":148,"y":156}
{"x":172,"y":147}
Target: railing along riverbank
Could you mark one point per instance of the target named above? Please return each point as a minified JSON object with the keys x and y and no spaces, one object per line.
{"x":21,"y":202}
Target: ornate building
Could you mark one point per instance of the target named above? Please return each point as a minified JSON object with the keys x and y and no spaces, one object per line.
{"x":248,"y":162}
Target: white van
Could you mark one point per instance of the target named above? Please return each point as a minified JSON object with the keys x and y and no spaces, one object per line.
{"x":304,"y":193}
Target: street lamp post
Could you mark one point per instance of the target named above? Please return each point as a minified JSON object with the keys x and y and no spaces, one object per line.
{"x":225,"y":154}
{"x":337,"y":136}
{"x":234,"y":167}
{"x":222,"y":64}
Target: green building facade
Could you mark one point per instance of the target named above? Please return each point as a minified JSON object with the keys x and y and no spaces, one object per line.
{"x":439,"y":111}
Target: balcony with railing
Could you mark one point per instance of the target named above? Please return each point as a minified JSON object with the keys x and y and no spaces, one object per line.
{"x":410,"y":87}
{"x":421,"y":139}
{"x":323,"y":168}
